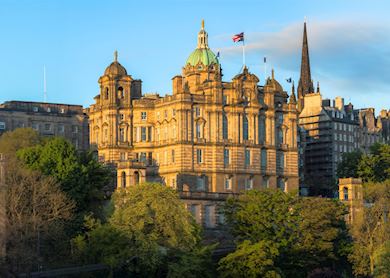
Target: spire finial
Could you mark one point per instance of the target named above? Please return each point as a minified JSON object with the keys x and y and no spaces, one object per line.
{"x":116,"y":56}
{"x":273,"y":74}
{"x":293,"y":87}
{"x":202,"y":37}
{"x":318,"y":86}
{"x":202,"y":23}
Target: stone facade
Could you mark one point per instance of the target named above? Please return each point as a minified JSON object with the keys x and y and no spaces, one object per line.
{"x":209,"y":136}
{"x":351,"y":194}
{"x":49,"y":119}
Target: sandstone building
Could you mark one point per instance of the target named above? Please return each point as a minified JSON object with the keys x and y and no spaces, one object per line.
{"x":209,"y":139}
{"x":49,"y":119}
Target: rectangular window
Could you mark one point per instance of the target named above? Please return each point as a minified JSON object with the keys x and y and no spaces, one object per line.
{"x":122,"y":135}
{"x":173,"y":156}
{"x":247,"y":157}
{"x":143,"y":134}
{"x":61,"y":128}
{"x":173,"y":112}
{"x":142,"y":157}
{"x":123,"y":156}
{"x":209,"y":216}
{"x":249,"y":183}
{"x":265,"y":183}
{"x":200,"y":183}
{"x":35,"y":126}
{"x":199,"y":156}
{"x":149,"y":134}
{"x":2,"y":125}
{"x":281,"y":160}
{"x":143,"y":116}
{"x":35,"y":109}
{"x":47,"y":127}
{"x":226,"y":157}
{"x":263,"y":158}
{"x":197,"y":111}
{"x":228,"y":183}
{"x":198,"y":130}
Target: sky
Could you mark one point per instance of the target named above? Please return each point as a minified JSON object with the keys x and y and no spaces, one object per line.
{"x":349,"y":44}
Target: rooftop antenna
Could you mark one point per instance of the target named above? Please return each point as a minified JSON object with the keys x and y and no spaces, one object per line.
{"x":44,"y":84}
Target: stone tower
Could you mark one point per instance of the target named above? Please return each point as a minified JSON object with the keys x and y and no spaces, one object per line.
{"x":305,"y":85}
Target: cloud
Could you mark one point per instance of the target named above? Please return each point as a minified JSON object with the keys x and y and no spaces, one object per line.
{"x":349,"y":57}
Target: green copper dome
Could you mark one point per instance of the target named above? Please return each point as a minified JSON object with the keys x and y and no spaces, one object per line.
{"x":202,"y":55}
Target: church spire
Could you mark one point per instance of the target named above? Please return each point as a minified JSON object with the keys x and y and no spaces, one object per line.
{"x":293,"y":100}
{"x":305,"y":85}
{"x":202,"y":37}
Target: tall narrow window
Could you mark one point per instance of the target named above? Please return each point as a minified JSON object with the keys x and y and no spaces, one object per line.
{"x":261,"y":129}
{"x":122,"y":134}
{"x":173,"y":156}
{"x":228,"y":183}
{"x":121,"y":93}
{"x":263,"y":158}
{"x":281,"y":160}
{"x":123,"y":180}
{"x":281,"y":184}
{"x":106,"y":94}
{"x":143,"y":134}
{"x":198,"y":130}
{"x":226,"y":158}
{"x":199,"y":156}
{"x":143,"y":116}
{"x":245,"y":135}
{"x":149,"y":134}
{"x":224,"y":126}
{"x":345,"y":191}
{"x":280,"y":136}
{"x":247,"y":157}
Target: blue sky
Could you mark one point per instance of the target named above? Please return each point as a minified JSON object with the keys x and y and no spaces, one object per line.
{"x":349,"y":43}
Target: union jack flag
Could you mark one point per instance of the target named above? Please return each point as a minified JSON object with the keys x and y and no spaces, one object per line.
{"x":238,"y":37}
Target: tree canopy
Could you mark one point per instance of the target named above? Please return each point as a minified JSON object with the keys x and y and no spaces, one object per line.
{"x":292,"y":235}
{"x":149,"y":233}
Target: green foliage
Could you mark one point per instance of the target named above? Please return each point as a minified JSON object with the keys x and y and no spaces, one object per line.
{"x":292,"y":235}
{"x":12,"y":141}
{"x":371,"y":232}
{"x":348,"y":166}
{"x":375,"y":167}
{"x":192,"y":264}
{"x":251,"y":260}
{"x":149,"y":234}
{"x":79,"y":174}
{"x":382,"y":261}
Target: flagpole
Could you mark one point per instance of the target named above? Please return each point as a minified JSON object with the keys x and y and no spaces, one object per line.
{"x":265,"y":67}
{"x":243,"y":52}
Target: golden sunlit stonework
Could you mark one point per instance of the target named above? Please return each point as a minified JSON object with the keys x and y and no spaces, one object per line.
{"x":208,"y":136}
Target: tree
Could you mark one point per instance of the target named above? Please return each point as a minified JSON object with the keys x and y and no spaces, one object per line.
{"x":37,"y":211}
{"x":372,"y":231}
{"x":292,"y":235}
{"x":375,"y":167}
{"x":251,"y":260}
{"x":79,"y":174}
{"x":348,"y":166}
{"x":151,"y":231}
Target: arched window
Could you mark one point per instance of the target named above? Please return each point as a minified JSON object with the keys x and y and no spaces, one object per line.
{"x":106,"y":94}
{"x":123,"y":180}
{"x":121,"y":93}
{"x":245,"y":127}
{"x":224,"y":126}
{"x":345,"y":191}
{"x":136,"y":177}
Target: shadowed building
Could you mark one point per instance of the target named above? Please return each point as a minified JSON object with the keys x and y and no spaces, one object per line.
{"x":209,"y":139}
{"x":49,"y":119}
